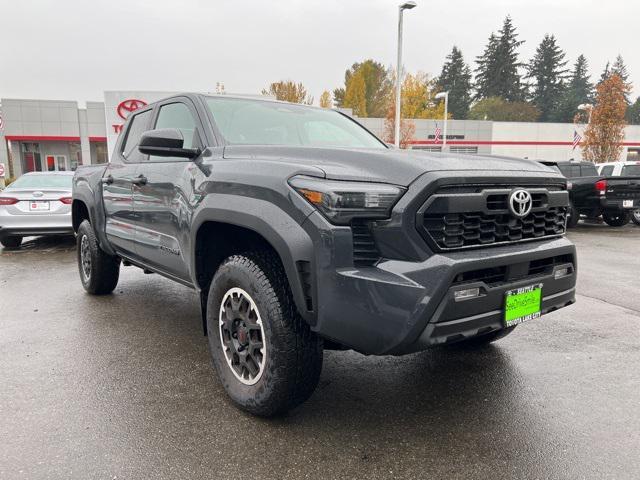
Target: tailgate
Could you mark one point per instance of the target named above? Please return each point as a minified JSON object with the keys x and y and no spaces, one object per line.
{"x":623,"y":188}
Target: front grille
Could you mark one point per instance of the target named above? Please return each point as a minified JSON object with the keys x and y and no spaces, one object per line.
{"x":453,"y":220}
{"x":365,"y":252}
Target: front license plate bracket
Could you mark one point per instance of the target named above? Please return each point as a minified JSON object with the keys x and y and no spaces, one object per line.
{"x":522,"y":304}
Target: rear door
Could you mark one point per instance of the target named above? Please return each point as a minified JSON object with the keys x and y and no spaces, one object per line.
{"x":165,"y":202}
{"x":117,"y":185}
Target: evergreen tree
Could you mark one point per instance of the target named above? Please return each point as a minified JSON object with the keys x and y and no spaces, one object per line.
{"x":548,"y":73}
{"x":606,"y":73}
{"x":497,"y":74}
{"x":579,"y":90}
{"x":456,"y":79}
{"x":633,"y":113}
{"x":620,"y":69}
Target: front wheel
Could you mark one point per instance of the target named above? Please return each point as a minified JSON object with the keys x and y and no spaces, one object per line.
{"x":616,"y":219}
{"x":266,"y":356}
{"x":635,"y":217}
{"x":99,"y":271}
{"x":11,"y":241}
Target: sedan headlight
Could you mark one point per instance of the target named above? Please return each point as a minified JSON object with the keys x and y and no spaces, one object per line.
{"x":342,"y":201}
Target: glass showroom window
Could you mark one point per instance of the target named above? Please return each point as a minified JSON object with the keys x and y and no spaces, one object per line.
{"x":31,"y":157}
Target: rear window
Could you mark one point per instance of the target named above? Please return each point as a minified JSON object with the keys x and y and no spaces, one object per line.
{"x":588,"y":171}
{"x":42,"y":181}
{"x":570,"y":171}
{"x":631,"y":171}
{"x":607,"y":171}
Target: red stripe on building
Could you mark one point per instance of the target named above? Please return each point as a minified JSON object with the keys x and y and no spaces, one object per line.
{"x":97,"y":139}
{"x":41,"y":138}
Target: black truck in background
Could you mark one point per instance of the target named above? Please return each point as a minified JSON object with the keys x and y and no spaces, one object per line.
{"x":592,"y":195}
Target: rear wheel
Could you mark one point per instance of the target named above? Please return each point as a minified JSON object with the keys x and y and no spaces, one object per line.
{"x":573,"y":216}
{"x":11,"y":241}
{"x":635,"y":217}
{"x":616,"y":219}
{"x":483,"y":340}
{"x":266,"y":356}
{"x":99,"y":271}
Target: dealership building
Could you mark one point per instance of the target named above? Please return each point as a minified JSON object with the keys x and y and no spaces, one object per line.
{"x":52,"y":135}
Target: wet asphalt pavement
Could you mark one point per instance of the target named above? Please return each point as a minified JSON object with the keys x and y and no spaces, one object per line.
{"x":121,"y":387}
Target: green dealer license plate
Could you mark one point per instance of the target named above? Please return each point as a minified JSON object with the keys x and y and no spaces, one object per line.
{"x":522,"y":304}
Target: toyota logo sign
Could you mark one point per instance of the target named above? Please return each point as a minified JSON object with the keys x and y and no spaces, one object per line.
{"x":125,"y":107}
{"x":520,"y":203}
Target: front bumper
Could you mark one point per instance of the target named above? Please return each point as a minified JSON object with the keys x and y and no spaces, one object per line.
{"x":398,"y":307}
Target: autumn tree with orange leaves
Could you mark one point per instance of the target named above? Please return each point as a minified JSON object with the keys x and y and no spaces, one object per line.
{"x":605,"y":132}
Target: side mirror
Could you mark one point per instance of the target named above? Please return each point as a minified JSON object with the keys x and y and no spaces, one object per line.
{"x":166,"y":142}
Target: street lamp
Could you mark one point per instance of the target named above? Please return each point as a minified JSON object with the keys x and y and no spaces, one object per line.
{"x":584,"y":107}
{"x":444,"y":95}
{"x":401,"y":8}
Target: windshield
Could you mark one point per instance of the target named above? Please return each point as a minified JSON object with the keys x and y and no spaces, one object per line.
{"x":42,"y":181}
{"x":631,"y":171}
{"x":257,"y":122}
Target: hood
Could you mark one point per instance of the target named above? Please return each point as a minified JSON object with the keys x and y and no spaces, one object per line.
{"x":399,"y":167}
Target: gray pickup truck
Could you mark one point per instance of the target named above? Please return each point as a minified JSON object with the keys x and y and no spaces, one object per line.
{"x":301,"y":231}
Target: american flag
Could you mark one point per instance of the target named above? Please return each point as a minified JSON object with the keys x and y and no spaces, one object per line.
{"x":436,"y":137}
{"x":576,"y":139}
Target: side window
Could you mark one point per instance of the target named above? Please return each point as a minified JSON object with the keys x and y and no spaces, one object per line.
{"x":178,"y":115}
{"x":607,"y":171}
{"x":137,"y":126}
{"x":588,"y":171}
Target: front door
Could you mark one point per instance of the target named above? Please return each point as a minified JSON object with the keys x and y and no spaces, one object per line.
{"x":165,"y":202}
{"x":117,"y":186}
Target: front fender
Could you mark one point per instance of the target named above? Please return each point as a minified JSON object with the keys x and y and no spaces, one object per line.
{"x":282,"y":232}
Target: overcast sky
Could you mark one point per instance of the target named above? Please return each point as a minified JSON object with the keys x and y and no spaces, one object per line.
{"x":76,"y":49}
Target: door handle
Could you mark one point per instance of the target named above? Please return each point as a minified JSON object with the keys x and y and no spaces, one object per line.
{"x":139,"y":180}
{"x":108,"y":180}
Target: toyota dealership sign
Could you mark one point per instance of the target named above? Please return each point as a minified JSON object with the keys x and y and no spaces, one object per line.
{"x":119,"y":105}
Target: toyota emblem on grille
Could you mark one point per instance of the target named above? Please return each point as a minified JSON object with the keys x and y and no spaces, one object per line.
{"x":520,"y":203}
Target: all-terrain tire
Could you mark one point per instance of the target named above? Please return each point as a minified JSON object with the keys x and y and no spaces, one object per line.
{"x":483,"y":340}
{"x":635,"y":217}
{"x":11,"y":241}
{"x":292,"y":361}
{"x":573,"y":216}
{"x":99,"y":271}
{"x":616,"y":219}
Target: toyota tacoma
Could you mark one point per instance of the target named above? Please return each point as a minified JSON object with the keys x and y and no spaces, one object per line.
{"x":302,"y":231}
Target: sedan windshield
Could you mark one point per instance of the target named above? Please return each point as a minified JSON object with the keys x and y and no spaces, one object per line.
{"x":42,"y":181}
{"x":259,"y":122}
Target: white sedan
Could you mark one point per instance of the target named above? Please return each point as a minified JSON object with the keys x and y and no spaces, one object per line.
{"x":37,"y":203}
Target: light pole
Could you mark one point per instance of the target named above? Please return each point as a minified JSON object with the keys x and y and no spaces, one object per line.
{"x":444,"y":95}
{"x":401,"y":8}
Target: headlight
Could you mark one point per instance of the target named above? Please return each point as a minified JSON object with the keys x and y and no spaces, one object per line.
{"x":342,"y":201}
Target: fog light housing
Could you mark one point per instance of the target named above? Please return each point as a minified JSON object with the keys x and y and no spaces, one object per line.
{"x":466,"y":294}
{"x":562,"y":272}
